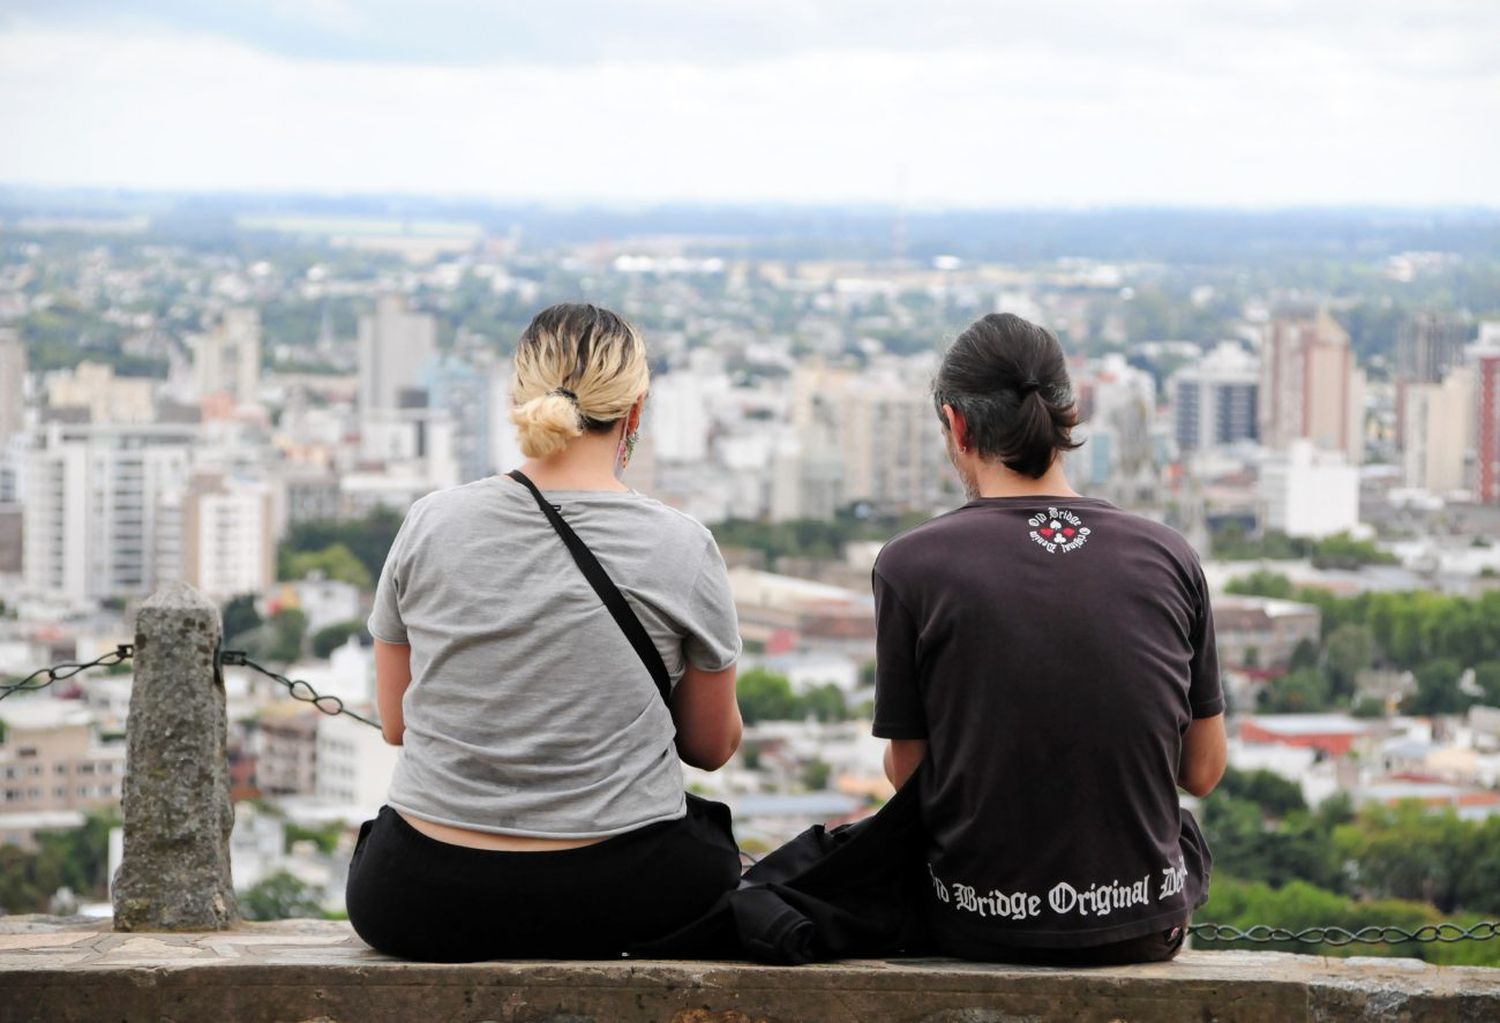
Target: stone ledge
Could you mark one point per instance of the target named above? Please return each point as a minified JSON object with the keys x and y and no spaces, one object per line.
{"x":73,"y":970}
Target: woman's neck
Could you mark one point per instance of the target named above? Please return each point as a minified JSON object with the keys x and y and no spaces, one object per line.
{"x":587,"y":463}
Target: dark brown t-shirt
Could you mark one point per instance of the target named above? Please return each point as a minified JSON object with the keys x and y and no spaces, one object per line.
{"x":1053,"y":652}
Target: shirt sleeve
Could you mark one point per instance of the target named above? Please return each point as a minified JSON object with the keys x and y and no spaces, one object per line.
{"x":712,"y":642}
{"x":1205,"y":688}
{"x":898,"y":703}
{"x":385,"y":622}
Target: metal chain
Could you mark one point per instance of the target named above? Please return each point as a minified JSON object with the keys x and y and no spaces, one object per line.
{"x":300,"y":690}
{"x":1387,"y":935}
{"x":66,"y":670}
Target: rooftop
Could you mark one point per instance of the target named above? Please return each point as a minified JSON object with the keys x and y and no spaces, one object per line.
{"x":67,"y":969}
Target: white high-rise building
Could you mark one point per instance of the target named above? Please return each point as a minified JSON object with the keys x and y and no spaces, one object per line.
{"x":395,"y":346}
{"x":1310,"y":492}
{"x":1438,"y":428}
{"x":95,"y":520}
{"x":12,"y":385}
{"x":228,"y":538}
{"x":680,"y":420}
{"x":1215,"y":403}
{"x":227,"y":359}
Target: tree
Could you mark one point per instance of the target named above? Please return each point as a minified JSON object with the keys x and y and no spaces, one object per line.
{"x":1261,"y":583}
{"x":1437,"y":690}
{"x":1343,"y":551}
{"x":825,"y":702}
{"x":1298,"y":692}
{"x":81,"y":854}
{"x":1304,"y":655}
{"x":328,"y":639}
{"x":335,"y":561}
{"x":279,"y":897}
{"x":1276,"y":796}
{"x":1348,"y":650}
{"x":815,"y":774}
{"x":288,"y":629}
{"x":240,"y":616}
{"x":766,"y":696}
{"x":27,"y":880}
{"x":1487,"y":678}
{"x":368,"y":538}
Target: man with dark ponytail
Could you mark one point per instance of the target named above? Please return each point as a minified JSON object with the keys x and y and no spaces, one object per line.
{"x":1048,"y":660}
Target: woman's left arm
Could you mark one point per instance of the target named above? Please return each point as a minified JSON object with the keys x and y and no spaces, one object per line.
{"x":392,"y":676}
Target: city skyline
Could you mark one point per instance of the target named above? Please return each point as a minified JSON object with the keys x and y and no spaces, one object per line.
{"x":1266,"y":106}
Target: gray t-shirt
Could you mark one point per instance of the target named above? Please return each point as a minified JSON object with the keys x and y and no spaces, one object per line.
{"x":529,"y":712}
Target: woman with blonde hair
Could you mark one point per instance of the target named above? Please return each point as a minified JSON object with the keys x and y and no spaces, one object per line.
{"x":544,"y":704}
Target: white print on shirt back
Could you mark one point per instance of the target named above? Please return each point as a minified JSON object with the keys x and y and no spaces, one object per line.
{"x":1058,"y":530}
{"x":1100,"y":899}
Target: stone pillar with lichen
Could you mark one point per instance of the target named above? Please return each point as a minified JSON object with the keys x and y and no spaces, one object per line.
{"x":174,"y":875}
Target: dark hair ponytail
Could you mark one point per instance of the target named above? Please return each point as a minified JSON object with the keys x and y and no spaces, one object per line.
{"x":1009,"y":381}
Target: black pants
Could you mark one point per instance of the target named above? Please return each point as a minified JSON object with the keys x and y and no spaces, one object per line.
{"x":1155,"y":947}
{"x":413,"y":896}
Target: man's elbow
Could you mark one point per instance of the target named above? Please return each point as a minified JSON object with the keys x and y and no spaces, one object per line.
{"x":1202,"y":781}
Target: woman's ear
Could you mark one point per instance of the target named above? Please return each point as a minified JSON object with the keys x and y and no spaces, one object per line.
{"x":633,"y":420}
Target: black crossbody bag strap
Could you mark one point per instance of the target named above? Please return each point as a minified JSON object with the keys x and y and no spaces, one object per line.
{"x":608,"y":592}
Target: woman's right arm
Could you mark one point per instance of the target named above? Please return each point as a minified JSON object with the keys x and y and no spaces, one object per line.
{"x":707,"y":716}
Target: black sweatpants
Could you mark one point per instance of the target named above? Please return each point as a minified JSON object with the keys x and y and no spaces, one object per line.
{"x":413,"y":896}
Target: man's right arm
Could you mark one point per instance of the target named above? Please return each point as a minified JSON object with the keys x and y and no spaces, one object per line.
{"x":1205,"y":752}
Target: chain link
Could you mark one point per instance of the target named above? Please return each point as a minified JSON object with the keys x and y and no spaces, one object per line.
{"x":300,"y":690}
{"x":1336,"y":936}
{"x":66,"y":670}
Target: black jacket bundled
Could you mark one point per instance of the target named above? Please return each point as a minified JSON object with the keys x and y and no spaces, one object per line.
{"x":851,"y":892}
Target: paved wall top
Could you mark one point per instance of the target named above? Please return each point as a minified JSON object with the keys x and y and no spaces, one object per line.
{"x":72,"y":969}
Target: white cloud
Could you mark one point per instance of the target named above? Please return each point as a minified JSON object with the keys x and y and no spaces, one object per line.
{"x":1248,"y":114}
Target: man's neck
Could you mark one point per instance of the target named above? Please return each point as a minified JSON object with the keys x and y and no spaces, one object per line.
{"x":998,"y":481}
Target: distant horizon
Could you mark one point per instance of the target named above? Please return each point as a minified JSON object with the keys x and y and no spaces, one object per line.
{"x":621,"y":203}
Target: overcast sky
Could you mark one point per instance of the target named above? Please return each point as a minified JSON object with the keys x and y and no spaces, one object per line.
{"x":957,"y":102}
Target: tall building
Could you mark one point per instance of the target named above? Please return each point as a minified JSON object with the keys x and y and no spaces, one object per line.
{"x":1487,"y":421}
{"x":227,"y":359}
{"x":228,"y":537}
{"x":395,"y":346}
{"x":1216,"y":402}
{"x":882,"y":428}
{"x":1117,"y":409}
{"x":95,"y":520}
{"x":463,"y":390}
{"x":1438,"y":426}
{"x":1310,"y":387}
{"x":12,"y":385}
{"x":679,"y":415}
{"x":1309,"y":491}
{"x":1428,"y":345}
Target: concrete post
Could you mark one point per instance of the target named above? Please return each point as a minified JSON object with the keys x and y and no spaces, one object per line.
{"x":174,"y":875}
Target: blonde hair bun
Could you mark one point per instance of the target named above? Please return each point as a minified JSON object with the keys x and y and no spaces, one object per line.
{"x":546,"y":423}
{"x":577,"y":368}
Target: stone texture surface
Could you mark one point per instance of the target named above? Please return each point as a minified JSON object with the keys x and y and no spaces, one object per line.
{"x":175,"y":872}
{"x":305,"y":970}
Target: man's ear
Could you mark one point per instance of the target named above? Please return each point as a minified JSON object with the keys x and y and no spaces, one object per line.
{"x":957,"y":427}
